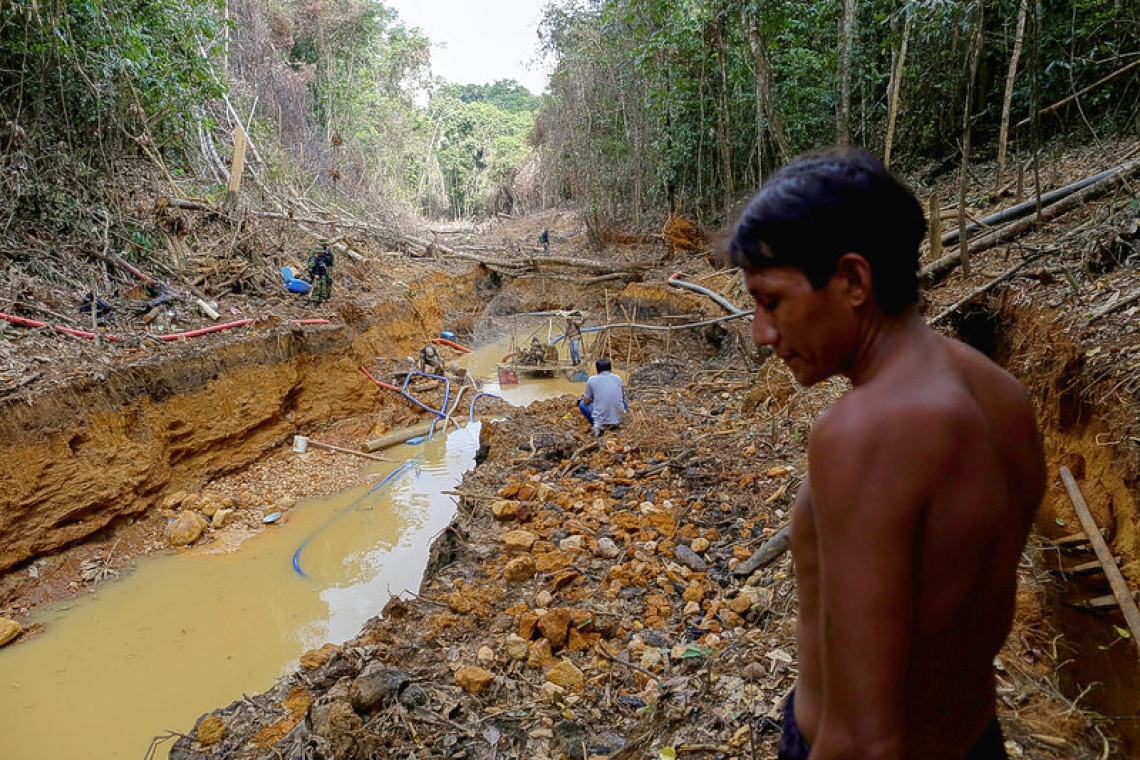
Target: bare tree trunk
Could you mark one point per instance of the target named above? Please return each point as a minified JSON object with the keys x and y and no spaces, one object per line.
{"x":846,"y":45}
{"x":1007,"y":102}
{"x":724,"y":126}
{"x":769,"y":121}
{"x":976,"y":54}
{"x":895,"y":86}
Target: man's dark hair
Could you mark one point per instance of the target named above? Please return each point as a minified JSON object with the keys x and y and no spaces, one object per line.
{"x":603,"y":365}
{"x":823,"y":205}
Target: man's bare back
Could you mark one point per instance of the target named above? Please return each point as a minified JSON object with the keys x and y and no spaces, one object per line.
{"x":937,"y":451}
{"x":923,"y":479}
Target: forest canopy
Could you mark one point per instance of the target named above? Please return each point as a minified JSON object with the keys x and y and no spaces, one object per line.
{"x":653,"y":107}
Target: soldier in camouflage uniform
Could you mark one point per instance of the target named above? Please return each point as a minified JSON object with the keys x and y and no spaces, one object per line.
{"x":319,"y":268}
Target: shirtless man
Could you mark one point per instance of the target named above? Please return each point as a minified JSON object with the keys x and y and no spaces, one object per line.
{"x":924,"y":478}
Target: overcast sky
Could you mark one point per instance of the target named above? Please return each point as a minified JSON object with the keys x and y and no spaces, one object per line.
{"x":479,"y":41}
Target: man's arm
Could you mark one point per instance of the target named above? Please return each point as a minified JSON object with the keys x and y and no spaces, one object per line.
{"x":872,"y":475}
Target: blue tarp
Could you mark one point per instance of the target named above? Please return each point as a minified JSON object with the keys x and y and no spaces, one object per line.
{"x":292,"y":284}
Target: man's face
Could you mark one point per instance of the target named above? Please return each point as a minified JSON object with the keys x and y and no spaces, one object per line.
{"x":813,"y":331}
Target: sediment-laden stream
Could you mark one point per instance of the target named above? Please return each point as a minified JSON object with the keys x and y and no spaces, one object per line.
{"x":183,"y":633}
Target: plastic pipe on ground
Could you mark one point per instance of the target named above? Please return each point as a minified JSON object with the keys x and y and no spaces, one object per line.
{"x":399,"y":436}
{"x":390,"y":477}
{"x":452,"y":344}
{"x":381,"y":383}
{"x":441,"y":413}
{"x":729,"y":306}
{"x":476,"y":397}
{"x":66,"y":330}
{"x":204,"y":330}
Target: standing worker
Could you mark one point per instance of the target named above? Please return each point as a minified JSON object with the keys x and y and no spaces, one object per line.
{"x":603,"y":402}
{"x":544,"y":238}
{"x":574,"y":336}
{"x":319,"y":269}
{"x":923,"y":479}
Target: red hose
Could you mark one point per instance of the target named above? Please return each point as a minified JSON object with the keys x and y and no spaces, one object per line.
{"x":66,"y":330}
{"x":381,"y":383}
{"x":453,"y":344}
{"x":204,"y":330}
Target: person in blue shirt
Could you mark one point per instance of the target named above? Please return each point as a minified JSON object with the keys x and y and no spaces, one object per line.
{"x":603,"y":402}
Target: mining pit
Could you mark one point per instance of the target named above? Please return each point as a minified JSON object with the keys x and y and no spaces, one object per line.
{"x":96,"y":469}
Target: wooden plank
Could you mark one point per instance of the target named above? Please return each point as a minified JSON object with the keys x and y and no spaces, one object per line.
{"x":1105,"y":602}
{"x":1073,"y":539}
{"x":341,"y":449}
{"x":1086,"y":568}
{"x":1119,"y":588}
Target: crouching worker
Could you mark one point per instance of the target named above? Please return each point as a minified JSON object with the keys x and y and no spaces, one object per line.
{"x":431,"y":360}
{"x":603,"y":402}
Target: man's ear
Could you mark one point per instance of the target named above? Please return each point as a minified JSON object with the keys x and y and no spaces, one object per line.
{"x":855,"y":276}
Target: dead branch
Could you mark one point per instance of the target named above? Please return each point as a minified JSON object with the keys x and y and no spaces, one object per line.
{"x":1006,"y":275}
{"x":528,"y":261}
{"x":768,"y":551}
{"x":1059,"y":202}
{"x":1117,"y":305}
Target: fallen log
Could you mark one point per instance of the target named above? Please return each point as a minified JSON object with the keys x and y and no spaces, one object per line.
{"x":529,"y":261}
{"x":1021,"y":209}
{"x":936,"y":270}
{"x":1119,"y":587}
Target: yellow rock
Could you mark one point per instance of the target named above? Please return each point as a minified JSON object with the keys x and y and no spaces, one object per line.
{"x":9,"y":629}
{"x":473,"y":679}
{"x":554,"y":625}
{"x":505,"y":510}
{"x":315,"y":658}
{"x":551,"y":561}
{"x":185,"y":529}
{"x":565,"y":674}
{"x":663,"y":522}
{"x":519,"y":541}
{"x":740,"y":604}
{"x":528,"y":621}
{"x":459,"y":603}
{"x":699,"y":545}
{"x":519,"y":569}
{"x":211,"y":730}
{"x":540,"y":654}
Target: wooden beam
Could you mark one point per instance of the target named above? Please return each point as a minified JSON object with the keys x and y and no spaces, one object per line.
{"x":341,"y":449}
{"x":1119,"y":588}
{"x":1086,"y":568}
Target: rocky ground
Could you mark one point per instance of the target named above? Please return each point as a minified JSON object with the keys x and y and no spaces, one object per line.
{"x":604,"y":598}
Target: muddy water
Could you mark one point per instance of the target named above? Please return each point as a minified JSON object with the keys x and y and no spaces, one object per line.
{"x":186,"y":633}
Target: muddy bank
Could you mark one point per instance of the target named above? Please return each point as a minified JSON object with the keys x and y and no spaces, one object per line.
{"x":587,"y":602}
{"x":108,"y":446}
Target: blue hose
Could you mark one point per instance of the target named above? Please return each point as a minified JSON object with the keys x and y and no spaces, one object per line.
{"x":471,"y":416}
{"x":389,"y":478}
